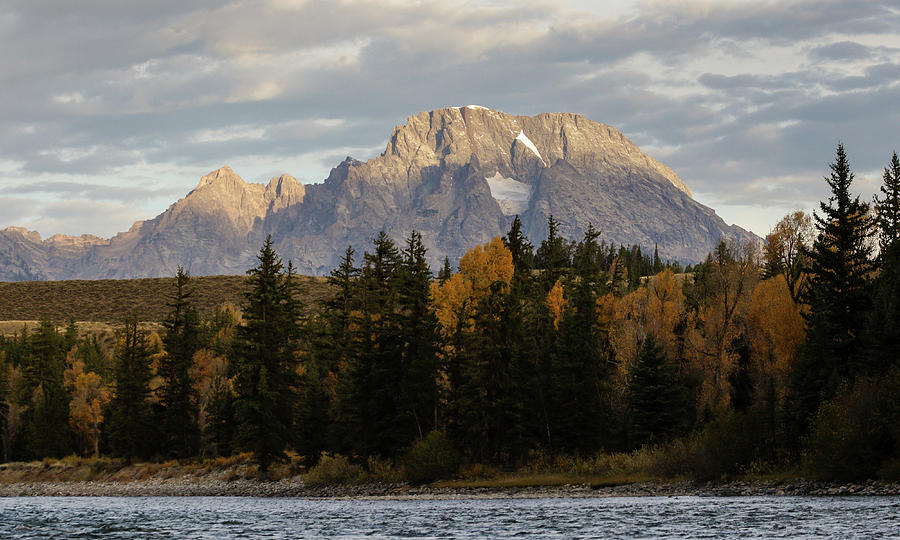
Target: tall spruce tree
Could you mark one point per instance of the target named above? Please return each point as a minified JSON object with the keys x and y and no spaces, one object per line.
{"x":552,"y":255}
{"x":181,"y":341}
{"x":521,"y":248}
{"x":131,"y":429}
{"x":884,"y":329}
{"x":654,"y":400}
{"x":47,"y":427}
{"x":580,"y":363}
{"x":419,"y":328}
{"x":838,"y":292}
{"x":377,"y":375}
{"x":265,"y":361}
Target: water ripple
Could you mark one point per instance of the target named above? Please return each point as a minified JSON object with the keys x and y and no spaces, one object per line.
{"x":645,"y":517}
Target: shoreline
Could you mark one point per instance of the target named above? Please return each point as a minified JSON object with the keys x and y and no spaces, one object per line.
{"x":187,"y":486}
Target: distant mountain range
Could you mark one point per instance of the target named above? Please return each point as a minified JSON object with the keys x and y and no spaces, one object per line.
{"x":457,"y":175}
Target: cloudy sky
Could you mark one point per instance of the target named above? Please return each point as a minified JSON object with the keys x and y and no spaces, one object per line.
{"x":112,"y":109}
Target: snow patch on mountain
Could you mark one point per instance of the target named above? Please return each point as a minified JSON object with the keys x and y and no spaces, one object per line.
{"x":512,"y":196}
{"x":527,"y":142}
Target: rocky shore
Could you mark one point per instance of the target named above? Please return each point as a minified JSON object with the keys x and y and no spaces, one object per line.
{"x":190,"y":486}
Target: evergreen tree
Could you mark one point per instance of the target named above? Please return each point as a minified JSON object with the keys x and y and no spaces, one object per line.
{"x":884,"y":329}
{"x":181,"y":342}
{"x":264,"y":363}
{"x":654,"y":400}
{"x":553,"y":254}
{"x":838,"y":292}
{"x":131,"y":430}
{"x":419,"y":328}
{"x":579,"y":364}
{"x":445,"y":272}
{"x":522,"y":250}
{"x":375,"y":375}
{"x":888,"y":206}
{"x":47,"y":427}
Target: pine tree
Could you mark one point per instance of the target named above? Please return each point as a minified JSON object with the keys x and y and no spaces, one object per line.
{"x":654,"y":400}
{"x":884,"y":328}
{"x":376,"y":377}
{"x":579,"y":364}
{"x":131,"y":429}
{"x":553,"y":254}
{"x":445,"y":272}
{"x":522,"y":250}
{"x":888,"y":206}
{"x":838,"y":292}
{"x":265,"y":362}
{"x":419,"y":326}
{"x":47,"y":428}
{"x":181,"y":342}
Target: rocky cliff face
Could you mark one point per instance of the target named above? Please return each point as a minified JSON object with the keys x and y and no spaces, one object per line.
{"x":457,"y":175}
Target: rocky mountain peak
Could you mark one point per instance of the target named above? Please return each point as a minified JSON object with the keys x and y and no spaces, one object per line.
{"x":23,"y":233}
{"x":457,"y":175}
{"x":223,"y":178}
{"x":516,"y":146}
{"x":283,"y":192}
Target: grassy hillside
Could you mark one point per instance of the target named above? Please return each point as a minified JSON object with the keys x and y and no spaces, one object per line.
{"x":112,"y":300}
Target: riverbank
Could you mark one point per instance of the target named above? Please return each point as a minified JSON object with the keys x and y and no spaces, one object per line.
{"x":189,"y":487}
{"x":239,"y":478}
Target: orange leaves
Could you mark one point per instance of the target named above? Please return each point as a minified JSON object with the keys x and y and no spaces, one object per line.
{"x":479,"y":269}
{"x":556,"y":303}
{"x":485,"y":266}
{"x":451,"y":301}
{"x":89,"y":395}
{"x":775,"y":328}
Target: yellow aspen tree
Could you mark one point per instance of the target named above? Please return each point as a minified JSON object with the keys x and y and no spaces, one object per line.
{"x":727,"y":286}
{"x":479,"y":269}
{"x":775,"y":329}
{"x":12,"y":409}
{"x":89,"y":395}
{"x":556,"y":303}
{"x":665,"y":309}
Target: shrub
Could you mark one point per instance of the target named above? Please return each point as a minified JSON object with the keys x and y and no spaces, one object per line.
{"x":430,"y":459}
{"x":849,"y":438}
{"x":333,"y":469}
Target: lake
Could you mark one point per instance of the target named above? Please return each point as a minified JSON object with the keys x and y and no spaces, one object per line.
{"x":625,"y":517}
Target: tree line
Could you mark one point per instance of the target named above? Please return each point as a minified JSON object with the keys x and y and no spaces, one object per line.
{"x":765,"y":359}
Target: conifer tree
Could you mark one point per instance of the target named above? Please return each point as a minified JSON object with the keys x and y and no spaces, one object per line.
{"x":445,"y":272}
{"x":131,"y":431}
{"x":181,"y":342}
{"x":419,"y":327}
{"x":838,"y":292}
{"x":553,"y":254}
{"x":265,"y":362}
{"x":888,"y":206}
{"x":579,"y":364}
{"x":522,"y":250}
{"x":884,"y":328}
{"x":654,"y":401}
{"x":47,"y":428}
{"x":376,"y":376}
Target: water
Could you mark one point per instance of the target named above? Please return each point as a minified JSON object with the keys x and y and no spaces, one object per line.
{"x":645,"y":517}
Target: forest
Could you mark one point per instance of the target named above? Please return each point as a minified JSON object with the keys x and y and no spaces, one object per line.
{"x":781,"y":357}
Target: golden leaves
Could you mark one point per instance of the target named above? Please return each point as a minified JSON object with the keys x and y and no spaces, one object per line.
{"x":479,"y":270}
{"x":556,"y":303}
{"x":89,"y":395}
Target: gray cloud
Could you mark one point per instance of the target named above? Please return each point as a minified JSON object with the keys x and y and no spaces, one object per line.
{"x":842,"y":50}
{"x":740,"y":94}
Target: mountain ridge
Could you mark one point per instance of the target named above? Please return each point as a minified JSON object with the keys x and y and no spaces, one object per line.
{"x":457,"y":175}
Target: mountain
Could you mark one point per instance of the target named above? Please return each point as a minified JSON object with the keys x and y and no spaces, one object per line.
{"x":457,"y":175}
